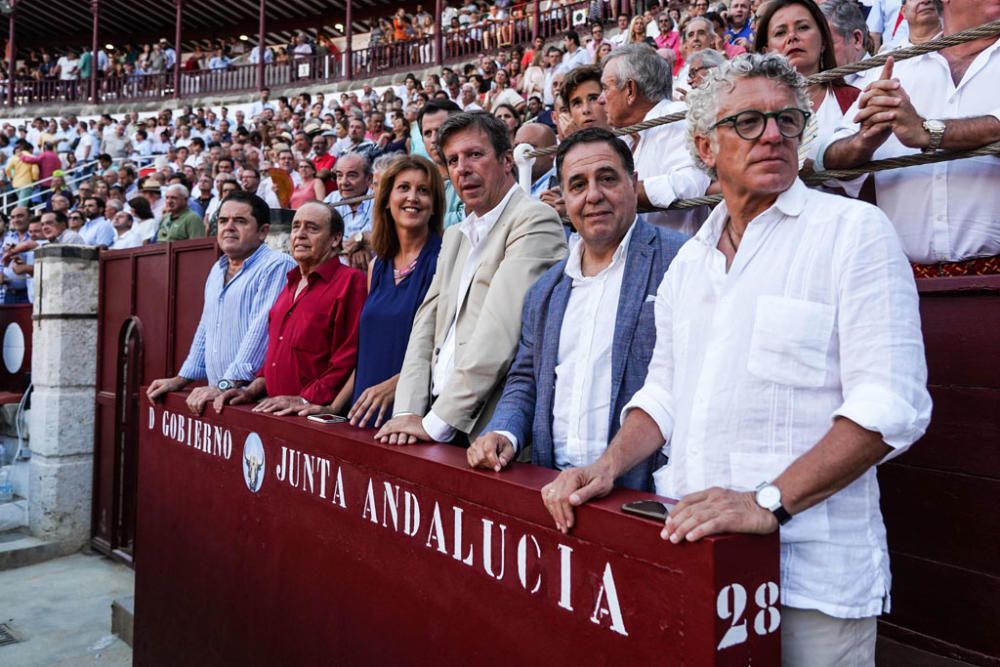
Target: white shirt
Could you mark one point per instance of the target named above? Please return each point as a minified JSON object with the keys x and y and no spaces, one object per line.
{"x":573,"y":60}
{"x":475,"y":229}
{"x":816,"y":318}
{"x":947,"y":211}
{"x":133,"y":238}
{"x":820,"y":127}
{"x":581,"y":404}
{"x":146,"y":229}
{"x":662,"y":153}
{"x":884,"y":19}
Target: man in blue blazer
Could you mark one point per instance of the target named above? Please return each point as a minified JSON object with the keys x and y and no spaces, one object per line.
{"x":588,"y":327}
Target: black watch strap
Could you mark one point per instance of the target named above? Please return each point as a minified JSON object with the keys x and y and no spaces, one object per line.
{"x":781,"y":514}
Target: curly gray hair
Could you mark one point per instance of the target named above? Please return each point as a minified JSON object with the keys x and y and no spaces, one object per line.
{"x":703,"y":102}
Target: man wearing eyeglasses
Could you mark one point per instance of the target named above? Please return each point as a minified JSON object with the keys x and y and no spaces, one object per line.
{"x":788,"y":363}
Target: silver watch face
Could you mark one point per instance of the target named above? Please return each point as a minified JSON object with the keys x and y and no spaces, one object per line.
{"x":769,"y":497}
{"x":225,"y":385}
{"x":934,"y":126}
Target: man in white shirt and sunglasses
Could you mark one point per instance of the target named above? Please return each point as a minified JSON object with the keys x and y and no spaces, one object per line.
{"x":789,"y":362}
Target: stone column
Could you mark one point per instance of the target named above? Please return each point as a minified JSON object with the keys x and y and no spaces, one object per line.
{"x":63,"y":371}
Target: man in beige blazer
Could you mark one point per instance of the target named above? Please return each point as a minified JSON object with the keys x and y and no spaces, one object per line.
{"x":466,"y":332}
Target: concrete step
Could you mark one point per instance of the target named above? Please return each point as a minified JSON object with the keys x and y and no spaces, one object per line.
{"x":13,"y":515}
{"x":123,"y":617}
{"x":18,"y":548}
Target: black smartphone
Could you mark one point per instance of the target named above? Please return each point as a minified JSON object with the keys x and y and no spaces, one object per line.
{"x":647,"y":509}
{"x":328,"y":418}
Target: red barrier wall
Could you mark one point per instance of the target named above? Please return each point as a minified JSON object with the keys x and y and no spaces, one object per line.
{"x":330,"y":562}
{"x":14,"y":379}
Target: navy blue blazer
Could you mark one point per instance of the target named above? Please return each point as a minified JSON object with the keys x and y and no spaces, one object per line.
{"x":525,"y":408}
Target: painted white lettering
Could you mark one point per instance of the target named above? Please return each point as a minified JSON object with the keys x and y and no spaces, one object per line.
{"x":369,"y":511}
{"x":457,"y":555}
{"x":324,"y":466}
{"x":165,"y":421}
{"x":411,"y":514}
{"x":182,"y":431}
{"x":173,"y":426}
{"x":436,"y":531}
{"x":488,"y":549}
{"x":608,"y":594}
{"x":227,"y":445}
{"x":727,"y":610}
{"x":522,"y":562}
{"x":206,"y":437}
{"x":197,"y":436}
{"x":307,"y":477}
{"x":390,"y":505}
{"x":338,"y":490}
{"x":294,"y":467}
{"x":281,"y":470}
{"x":152,"y":418}
{"x":565,"y":577}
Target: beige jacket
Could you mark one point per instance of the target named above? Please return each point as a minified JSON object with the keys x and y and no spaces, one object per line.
{"x":526,"y":240}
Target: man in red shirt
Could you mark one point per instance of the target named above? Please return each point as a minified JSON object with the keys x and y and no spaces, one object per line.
{"x":313,"y":326}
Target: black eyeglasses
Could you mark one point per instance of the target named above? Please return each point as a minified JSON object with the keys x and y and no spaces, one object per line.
{"x":750,"y":124}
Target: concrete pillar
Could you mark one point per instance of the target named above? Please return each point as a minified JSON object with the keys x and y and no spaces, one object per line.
{"x":64,"y":371}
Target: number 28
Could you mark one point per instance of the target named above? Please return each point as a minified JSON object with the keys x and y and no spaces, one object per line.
{"x":731,"y":604}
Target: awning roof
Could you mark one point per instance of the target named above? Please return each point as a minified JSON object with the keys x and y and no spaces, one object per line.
{"x":58,"y":24}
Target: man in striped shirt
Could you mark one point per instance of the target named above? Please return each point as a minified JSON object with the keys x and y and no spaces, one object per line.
{"x":229,"y":345}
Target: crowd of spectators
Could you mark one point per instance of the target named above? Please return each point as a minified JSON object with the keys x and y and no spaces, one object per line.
{"x":756,"y":360}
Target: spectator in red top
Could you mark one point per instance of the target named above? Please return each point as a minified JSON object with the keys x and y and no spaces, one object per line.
{"x":323,"y":160}
{"x":312,"y":343}
{"x":48,"y":161}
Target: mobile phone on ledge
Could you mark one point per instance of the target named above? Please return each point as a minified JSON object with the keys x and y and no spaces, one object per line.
{"x":647,"y":509}
{"x":327,"y":418}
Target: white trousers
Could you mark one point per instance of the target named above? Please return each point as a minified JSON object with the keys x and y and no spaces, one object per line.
{"x":810,"y":638}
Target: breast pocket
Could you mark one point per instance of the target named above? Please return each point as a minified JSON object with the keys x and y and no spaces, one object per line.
{"x":790,"y":341}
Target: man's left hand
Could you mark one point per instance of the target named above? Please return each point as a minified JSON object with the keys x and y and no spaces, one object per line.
{"x":715,"y":511}
{"x":403,"y":430}
{"x":284,"y":405}
{"x":200,"y":397}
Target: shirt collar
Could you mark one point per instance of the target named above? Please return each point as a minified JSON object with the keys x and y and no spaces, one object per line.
{"x":574,"y":263}
{"x":261,"y":250}
{"x":791,"y":202}
{"x":324,"y":271}
{"x":482,"y":225}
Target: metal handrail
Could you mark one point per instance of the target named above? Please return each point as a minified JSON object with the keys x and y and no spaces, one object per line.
{"x":71,"y":177}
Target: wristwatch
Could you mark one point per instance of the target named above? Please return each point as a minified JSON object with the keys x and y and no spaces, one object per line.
{"x":768,"y":496}
{"x":936,"y":129}
{"x":225,"y":385}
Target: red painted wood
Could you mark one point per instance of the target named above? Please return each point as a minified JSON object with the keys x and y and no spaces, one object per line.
{"x":225,"y":576}
{"x":963,"y":433}
{"x":941,"y":517}
{"x":948,"y":603}
{"x":139,"y":284}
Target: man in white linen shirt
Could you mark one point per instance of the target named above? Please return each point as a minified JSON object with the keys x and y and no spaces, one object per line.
{"x":945,"y":213}
{"x":465,"y":333}
{"x":636,"y":86}
{"x":789,"y":362}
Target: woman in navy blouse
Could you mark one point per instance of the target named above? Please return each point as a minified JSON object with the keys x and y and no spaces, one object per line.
{"x":407,"y":223}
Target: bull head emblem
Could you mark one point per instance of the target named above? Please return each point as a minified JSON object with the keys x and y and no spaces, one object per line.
{"x":254,"y":466}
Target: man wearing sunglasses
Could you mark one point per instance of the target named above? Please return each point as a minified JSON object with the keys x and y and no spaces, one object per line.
{"x":788,"y":363}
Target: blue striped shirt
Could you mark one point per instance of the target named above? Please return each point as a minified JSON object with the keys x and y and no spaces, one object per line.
{"x":232,"y":335}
